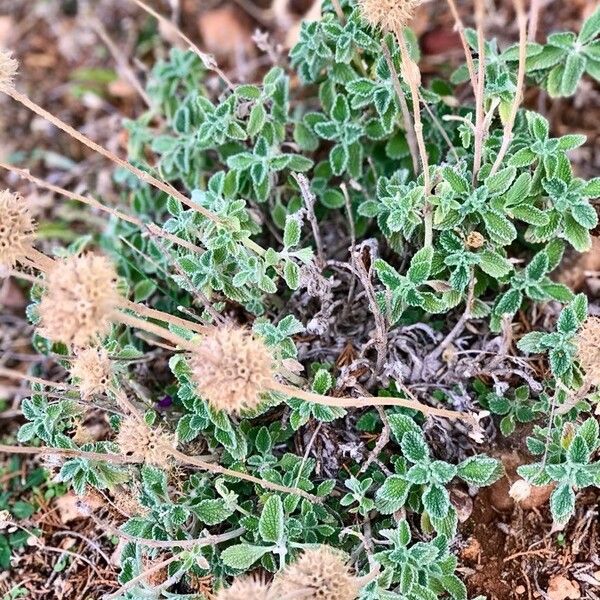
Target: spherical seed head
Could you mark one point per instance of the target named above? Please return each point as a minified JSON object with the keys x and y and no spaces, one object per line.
{"x":231,"y":369}
{"x":93,"y":370}
{"x":16,"y":229}
{"x":388,"y":15}
{"x":81,"y":294}
{"x":150,"y":445}
{"x":8,"y":69}
{"x":588,"y":349}
{"x":319,"y":574}
{"x":245,"y":588}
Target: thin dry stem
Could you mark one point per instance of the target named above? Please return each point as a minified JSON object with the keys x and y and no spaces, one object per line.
{"x":184,"y":459}
{"x":367,"y":401}
{"x":412,"y":76}
{"x":460,"y":28}
{"x":479,"y":91}
{"x":88,"y":200}
{"x":507,"y":137}
{"x":14,"y":374}
{"x":206,"y":59}
{"x":534,"y":17}
{"x":162,"y":332}
{"x":141,"y":175}
{"x":159,"y":315}
{"x":408,"y":122}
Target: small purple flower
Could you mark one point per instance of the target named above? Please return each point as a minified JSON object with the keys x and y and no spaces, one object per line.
{"x":165,"y":403}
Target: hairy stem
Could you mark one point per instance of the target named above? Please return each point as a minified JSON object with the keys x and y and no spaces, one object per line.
{"x":408,"y":122}
{"x":507,"y":136}
{"x":88,"y":200}
{"x":412,"y":75}
{"x":367,"y":401}
{"x":479,"y":90}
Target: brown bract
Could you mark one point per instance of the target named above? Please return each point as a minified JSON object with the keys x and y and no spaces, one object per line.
{"x":92,"y":370}
{"x":245,"y":588}
{"x":8,"y":69}
{"x":319,"y":574}
{"x":150,"y":445}
{"x":16,"y":228}
{"x":231,"y":369}
{"x":81,"y":295}
{"x":588,"y":349}
{"x":388,"y":15}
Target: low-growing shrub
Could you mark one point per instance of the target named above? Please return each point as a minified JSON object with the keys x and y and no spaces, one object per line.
{"x":311,"y":254}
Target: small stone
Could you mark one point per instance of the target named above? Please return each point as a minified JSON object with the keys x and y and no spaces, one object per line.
{"x":520,"y":589}
{"x":561,"y":588}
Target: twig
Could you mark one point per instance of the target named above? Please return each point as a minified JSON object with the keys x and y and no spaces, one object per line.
{"x":412,"y":75}
{"x":408,"y":123}
{"x":14,"y":374}
{"x":534,"y":16}
{"x":141,"y":175}
{"x":133,"y":582}
{"x":460,"y":28}
{"x":479,"y":92}
{"x":368,"y":401}
{"x":460,"y":324}
{"x":381,"y":443}
{"x":309,"y":202}
{"x":207,"y":60}
{"x":118,"y":57}
{"x":152,"y":228}
{"x":352,"y":231}
{"x":508,"y":127}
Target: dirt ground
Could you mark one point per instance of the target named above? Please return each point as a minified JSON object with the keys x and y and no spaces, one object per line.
{"x":88,"y":65}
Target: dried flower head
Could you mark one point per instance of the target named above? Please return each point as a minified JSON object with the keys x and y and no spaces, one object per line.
{"x":8,"y":69}
{"x":588,"y":348}
{"x":92,"y":369}
{"x":80,"y":296}
{"x":245,"y":588}
{"x":388,"y":15}
{"x":16,"y":228}
{"x":231,"y":368}
{"x":520,"y":490}
{"x":475,"y":240}
{"x":319,"y":574}
{"x":150,"y":445}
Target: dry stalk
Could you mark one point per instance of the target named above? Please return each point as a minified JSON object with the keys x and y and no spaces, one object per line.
{"x":408,"y":122}
{"x":460,"y":28}
{"x":412,"y":75}
{"x":480,"y":89}
{"x":206,"y":59}
{"x":507,"y":136}
{"x":152,"y":228}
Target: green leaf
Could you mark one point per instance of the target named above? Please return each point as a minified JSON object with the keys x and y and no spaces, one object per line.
{"x":577,"y":235}
{"x":392,"y":495}
{"x":211,"y":512}
{"x":501,"y":181}
{"x":509,"y":303}
{"x":591,"y":28}
{"x":578,"y":451}
{"x":291,"y":232}
{"x":258,"y":117}
{"x":562,"y":503}
{"x":574,"y":68}
{"x":420,"y":266}
{"x":242,"y":556}
{"x":499,"y":228}
{"x":143,"y":290}
{"x":271,"y":523}
{"x":585,"y":215}
{"x":480,"y":470}
{"x":567,"y":321}
{"x":414,"y":447}
{"x":457,"y":182}
{"x":436,"y":501}
{"x":494,"y":264}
